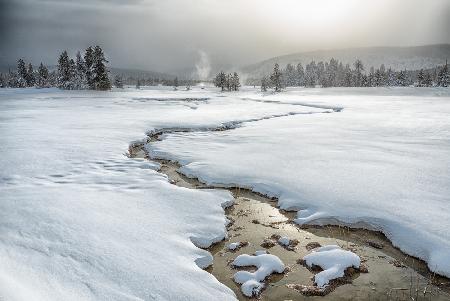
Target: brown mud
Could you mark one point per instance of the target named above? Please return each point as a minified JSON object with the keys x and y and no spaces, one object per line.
{"x":392,"y":274}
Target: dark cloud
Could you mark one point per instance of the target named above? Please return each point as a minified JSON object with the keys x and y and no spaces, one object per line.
{"x":168,"y":35}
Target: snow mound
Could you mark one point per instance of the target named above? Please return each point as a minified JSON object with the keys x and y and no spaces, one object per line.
{"x":333,"y":260}
{"x":252,"y":282}
{"x":284,"y":241}
{"x":234,"y":245}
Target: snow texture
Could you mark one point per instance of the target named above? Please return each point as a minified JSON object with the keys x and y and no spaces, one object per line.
{"x":251,"y":282}
{"x":284,"y":241}
{"x":234,"y":245}
{"x":380,"y":161}
{"x":333,"y":260}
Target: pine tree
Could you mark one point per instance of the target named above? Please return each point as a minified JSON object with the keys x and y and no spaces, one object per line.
{"x":21,"y":74}
{"x":220,"y":80}
{"x":2,"y":81}
{"x":13,"y":80}
{"x":235,"y":82}
{"x":427,"y":80}
{"x":175,"y":83}
{"x":64,"y":71}
{"x":300,"y":76}
{"x":138,"y":84}
{"x":80,"y":72}
{"x":310,"y":74}
{"x":401,"y":79}
{"x":276,"y":78}
{"x":359,"y":68}
{"x":290,"y":76}
{"x":42,"y":79}
{"x":264,"y":84}
{"x":30,"y":79}
{"x":420,"y":78}
{"x":99,"y":71}
{"x":88,"y":65}
{"x":443,"y":76}
{"x":118,"y":82}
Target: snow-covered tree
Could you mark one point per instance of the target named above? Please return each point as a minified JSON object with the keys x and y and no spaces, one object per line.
{"x":443,"y":76}
{"x":42,"y":76}
{"x":310,"y":74}
{"x":80,"y":72}
{"x":290,"y":76}
{"x":264,"y":84}
{"x":427,"y":80}
{"x":65,"y":71}
{"x":235,"y":83}
{"x":118,"y":82}
{"x":30,"y":79}
{"x":99,"y":71}
{"x":21,"y":74}
{"x":300,"y":76}
{"x":220,"y":80}
{"x":401,"y":79}
{"x":420,"y":78}
{"x":276,"y":78}
{"x":175,"y":84}
{"x":88,"y":65}
{"x":359,"y":68}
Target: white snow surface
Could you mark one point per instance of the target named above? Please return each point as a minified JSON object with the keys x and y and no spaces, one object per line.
{"x":251,"y":281}
{"x":81,"y":221}
{"x":234,"y":245}
{"x":382,"y":162}
{"x":285,"y":241}
{"x":333,"y":260}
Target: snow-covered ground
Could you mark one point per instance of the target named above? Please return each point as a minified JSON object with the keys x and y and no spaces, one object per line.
{"x":80,"y":220}
{"x":383,"y":162}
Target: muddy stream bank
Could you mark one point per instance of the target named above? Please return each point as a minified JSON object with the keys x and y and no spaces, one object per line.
{"x":392,"y":275}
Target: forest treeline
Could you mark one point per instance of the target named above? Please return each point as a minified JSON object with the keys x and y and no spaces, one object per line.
{"x":335,"y":74}
{"x":87,"y":71}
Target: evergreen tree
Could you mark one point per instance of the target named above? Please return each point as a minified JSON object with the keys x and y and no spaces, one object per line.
{"x":64,"y":71}
{"x":300,"y":76}
{"x":30,"y":79}
{"x":359,"y":68}
{"x":235,"y":82}
{"x":427,"y":80}
{"x":175,"y":83}
{"x":310,"y":74}
{"x":21,"y":74}
{"x":443,"y":76}
{"x":220,"y":80}
{"x":99,"y":71}
{"x":43,"y":76}
{"x":80,"y":72}
{"x":401,"y":79}
{"x":264,"y":84}
{"x":13,"y":80}
{"x":118,"y":82}
{"x":138,"y":84}
{"x":420,"y":78}
{"x":2,"y":81}
{"x":88,"y":65}
{"x":391,"y":79}
{"x":290,"y":76}
{"x":276,"y":78}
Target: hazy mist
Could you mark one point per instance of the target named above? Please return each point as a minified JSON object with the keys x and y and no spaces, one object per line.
{"x":173,"y":34}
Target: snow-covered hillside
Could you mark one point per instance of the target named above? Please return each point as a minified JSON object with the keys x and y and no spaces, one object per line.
{"x":79,"y":220}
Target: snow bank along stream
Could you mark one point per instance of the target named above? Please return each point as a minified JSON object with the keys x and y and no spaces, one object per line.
{"x":255,"y":220}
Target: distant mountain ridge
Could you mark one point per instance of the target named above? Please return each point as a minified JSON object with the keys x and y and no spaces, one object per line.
{"x":397,"y":58}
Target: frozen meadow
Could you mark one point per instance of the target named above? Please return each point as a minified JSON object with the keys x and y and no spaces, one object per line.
{"x":81,"y":220}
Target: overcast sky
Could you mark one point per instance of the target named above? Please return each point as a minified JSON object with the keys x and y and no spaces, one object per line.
{"x":167,"y":35}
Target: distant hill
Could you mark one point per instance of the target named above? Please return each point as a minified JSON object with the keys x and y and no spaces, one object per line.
{"x":398,"y":58}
